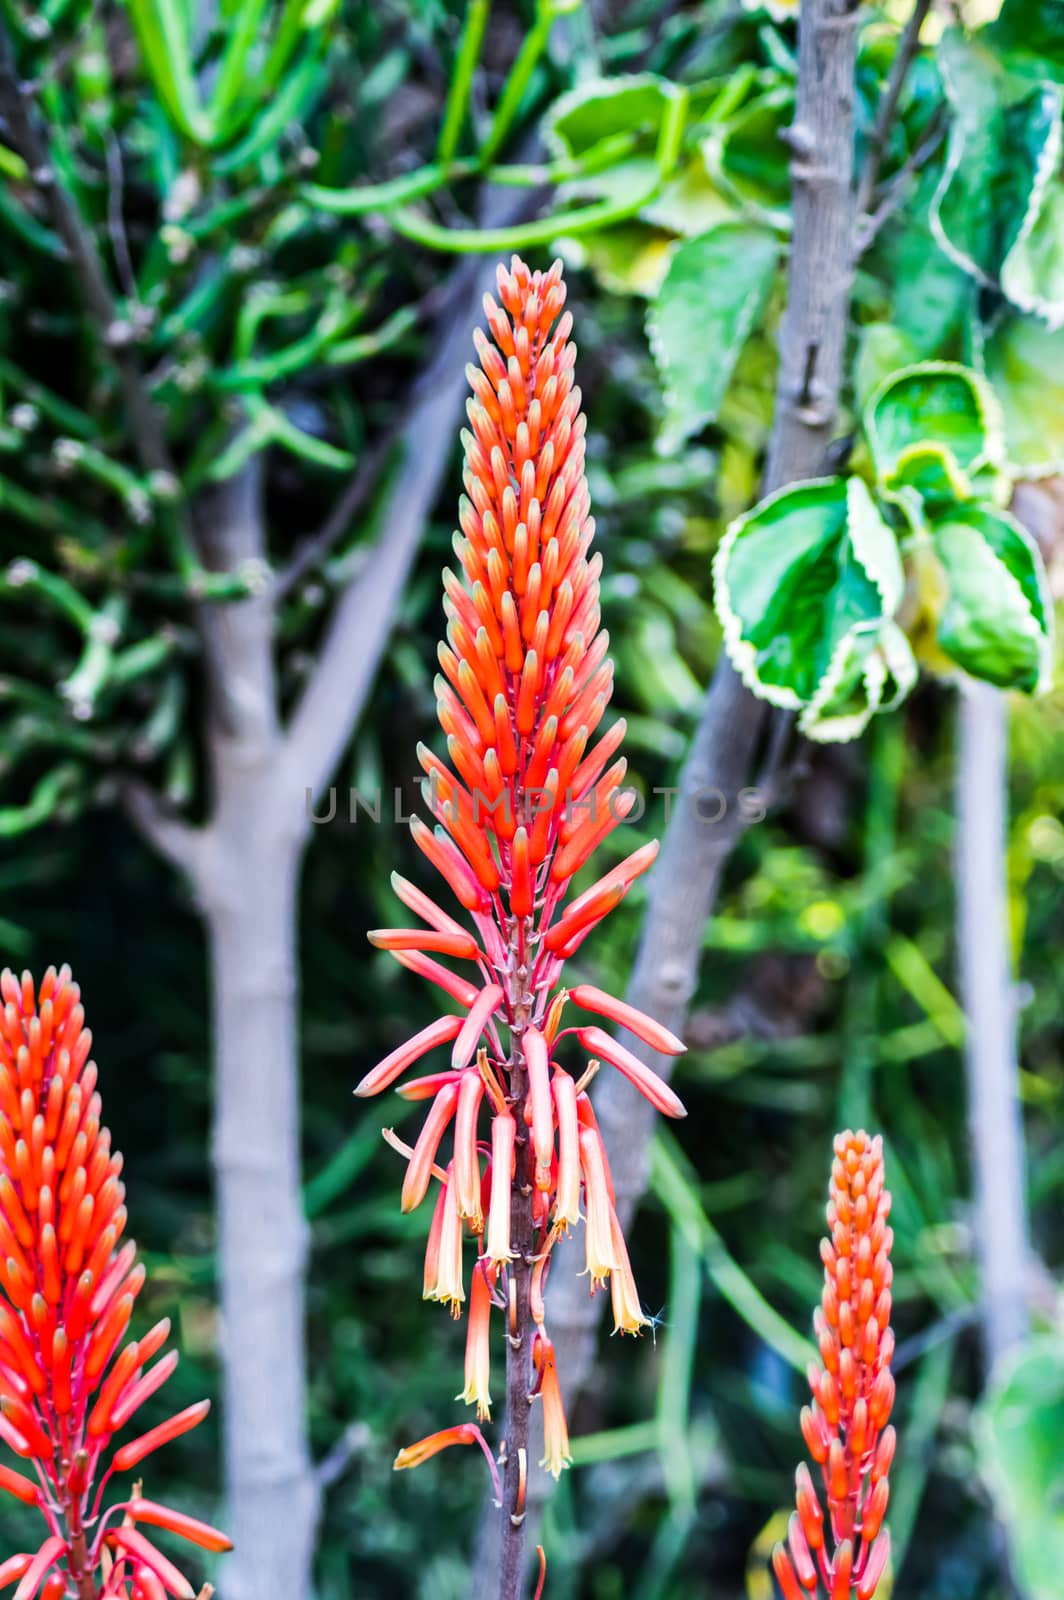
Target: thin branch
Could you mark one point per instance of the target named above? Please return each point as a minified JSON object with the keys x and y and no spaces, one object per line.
{"x":888,"y":106}
{"x":174,"y":839}
{"x":893,"y":193}
{"x":312,"y":552}
{"x":115,"y":224}
{"x":351,"y":1444}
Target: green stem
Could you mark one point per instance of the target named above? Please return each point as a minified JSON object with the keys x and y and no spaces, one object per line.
{"x":469,"y":46}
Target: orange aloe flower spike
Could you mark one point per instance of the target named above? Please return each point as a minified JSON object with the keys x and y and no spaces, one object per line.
{"x":71,"y":1379}
{"x":846,"y":1429}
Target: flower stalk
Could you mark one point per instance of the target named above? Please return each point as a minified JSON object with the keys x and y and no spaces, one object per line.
{"x":531,"y":790}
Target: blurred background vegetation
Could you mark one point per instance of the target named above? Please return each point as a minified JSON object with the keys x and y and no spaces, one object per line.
{"x":828,"y":970}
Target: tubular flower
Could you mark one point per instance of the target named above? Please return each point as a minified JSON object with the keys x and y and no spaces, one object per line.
{"x":530,"y":788}
{"x":846,"y":1428}
{"x":69,"y":1378}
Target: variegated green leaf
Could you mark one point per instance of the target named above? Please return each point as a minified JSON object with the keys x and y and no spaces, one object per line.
{"x":996,"y":618}
{"x":872,"y":671}
{"x":1033,"y":274}
{"x":1024,"y":362}
{"x":935,"y":427}
{"x":1003,"y":151}
{"x":748,"y":157}
{"x":806,"y":585}
{"x":601,"y":109}
{"x":713,"y":293}
{"x":1019,"y":1429}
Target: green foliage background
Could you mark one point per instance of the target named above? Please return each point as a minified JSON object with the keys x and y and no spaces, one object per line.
{"x":826,"y":984}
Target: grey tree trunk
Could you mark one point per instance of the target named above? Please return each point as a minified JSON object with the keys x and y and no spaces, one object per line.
{"x":988,"y":996}
{"x":262,"y":1234}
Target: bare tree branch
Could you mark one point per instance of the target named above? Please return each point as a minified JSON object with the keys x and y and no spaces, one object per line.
{"x":175,"y":840}
{"x":888,"y":106}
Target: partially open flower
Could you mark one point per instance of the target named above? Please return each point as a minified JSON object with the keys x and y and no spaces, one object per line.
{"x":533,"y":784}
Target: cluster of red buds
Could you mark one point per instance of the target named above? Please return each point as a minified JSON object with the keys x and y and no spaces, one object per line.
{"x":68,"y":1383}
{"x":846,"y":1428}
{"x":528,"y":796}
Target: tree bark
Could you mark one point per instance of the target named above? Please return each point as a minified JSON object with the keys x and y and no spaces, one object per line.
{"x":247,"y":882}
{"x":988,"y":996}
{"x":262,"y":1234}
{"x":710,"y":811}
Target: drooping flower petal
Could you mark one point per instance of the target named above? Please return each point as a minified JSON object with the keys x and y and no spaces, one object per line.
{"x":385,"y":1072}
{"x":189,"y":1528}
{"x":419,"y":1167}
{"x":556,"y":1452}
{"x":481,"y":1011}
{"x":599,"y":1043}
{"x":652,"y":1033}
{"x":598,"y":1233}
{"x":503,"y":1138}
{"x":477,"y":1390}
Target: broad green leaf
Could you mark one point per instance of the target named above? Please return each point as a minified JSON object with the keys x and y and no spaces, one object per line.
{"x":602,"y":108}
{"x":996,"y":617}
{"x":930,"y":295}
{"x":629,"y":258}
{"x":749,"y":158}
{"x":1024,"y":362}
{"x":1030,"y":33}
{"x":690,"y":204}
{"x":1019,"y":1431}
{"x":1003,"y":151}
{"x":805,"y":584}
{"x":713,"y":293}
{"x":883,"y":350}
{"x":1033,"y":275}
{"x":934,"y":427}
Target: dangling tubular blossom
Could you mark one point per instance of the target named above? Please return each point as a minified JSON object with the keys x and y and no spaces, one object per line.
{"x":68,"y":1383}
{"x":532,"y":788}
{"x":846,"y":1429}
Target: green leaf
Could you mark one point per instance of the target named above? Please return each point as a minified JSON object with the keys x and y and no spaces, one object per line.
{"x":602,"y":108}
{"x":714,"y":292}
{"x":1031,"y":34}
{"x":1003,"y":151}
{"x":1018,"y":1433}
{"x":749,"y":157}
{"x":995,"y":620}
{"x":629,"y":258}
{"x":934,"y":427}
{"x":806,"y":585}
{"x":1024,"y":362}
{"x":930,"y":295}
{"x":1033,"y":275}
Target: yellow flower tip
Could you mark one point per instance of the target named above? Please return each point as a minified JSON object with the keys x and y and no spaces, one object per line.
{"x":556,"y":1463}
{"x":412,"y":1455}
{"x":472,"y":1396}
